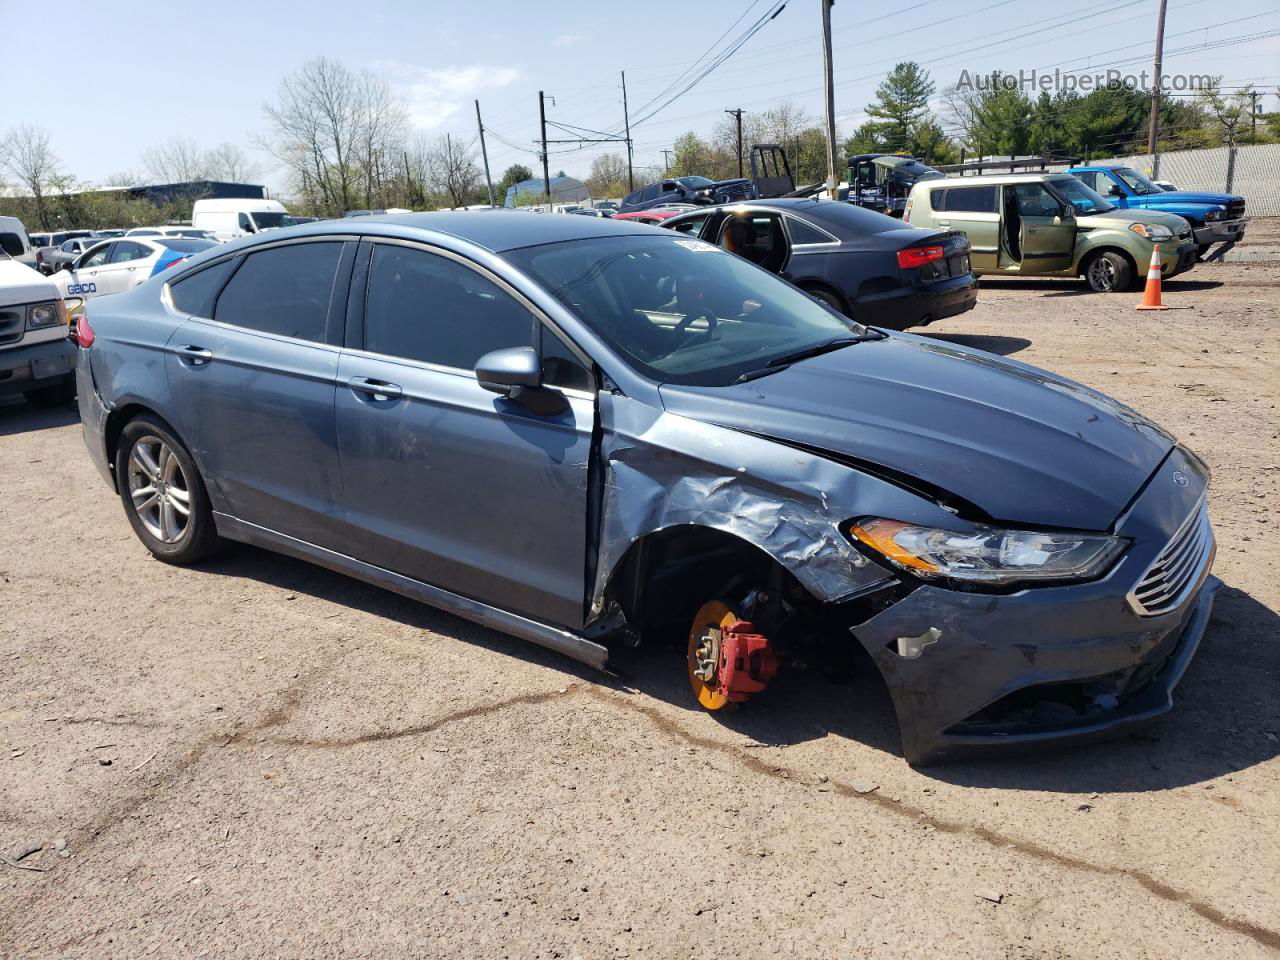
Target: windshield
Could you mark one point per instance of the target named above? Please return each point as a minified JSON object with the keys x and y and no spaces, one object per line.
{"x":695,"y":183}
{"x":185,"y":244}
{"x":1138,"y":183}
{"x":1082,"y":199}
{"x":269,"y":221}
{"x":681,"y":310}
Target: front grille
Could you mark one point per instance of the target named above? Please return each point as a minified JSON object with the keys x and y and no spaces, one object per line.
{"x":1178,"y":569}
{"x":1235,"y":209}
{"x":11,"y":323}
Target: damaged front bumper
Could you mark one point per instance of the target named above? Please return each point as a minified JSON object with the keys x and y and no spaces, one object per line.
{"x":970,"y":672}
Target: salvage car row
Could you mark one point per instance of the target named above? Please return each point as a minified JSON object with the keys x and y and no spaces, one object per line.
{"x":594,"y":434}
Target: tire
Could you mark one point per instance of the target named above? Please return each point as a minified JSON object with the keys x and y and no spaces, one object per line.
{"x":1202,"y":249}
{"x":831,"y":299}
{"x":150,"y":457}
{"x":56,"y":395}
{"x":1108,"y":272}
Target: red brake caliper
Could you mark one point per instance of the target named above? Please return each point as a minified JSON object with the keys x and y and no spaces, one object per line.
{"x":747,"y":663}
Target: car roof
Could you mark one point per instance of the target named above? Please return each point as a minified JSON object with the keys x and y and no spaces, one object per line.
{"x":494,"y":230}
{"x":991,"y":178}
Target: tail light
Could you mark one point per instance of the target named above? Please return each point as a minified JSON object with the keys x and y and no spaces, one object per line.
{"x":919,"y":256}
{"x":83,"y":334}
{"x":172,"y":262}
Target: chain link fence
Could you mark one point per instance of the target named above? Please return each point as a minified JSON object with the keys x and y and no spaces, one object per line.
{"x":1252,"y":171}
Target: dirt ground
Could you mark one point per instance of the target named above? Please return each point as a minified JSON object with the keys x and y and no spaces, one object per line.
{"x":259,"y":758}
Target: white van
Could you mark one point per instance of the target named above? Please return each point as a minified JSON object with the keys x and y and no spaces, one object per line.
{"x":229,"y":219}
{"x":15,"y":242}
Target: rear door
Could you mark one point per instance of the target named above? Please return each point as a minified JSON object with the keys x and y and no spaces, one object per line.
{"x":257,"y":381}
{"x":124,"y":267}
{"x":444,"y":481}
{"x":976,"y":211}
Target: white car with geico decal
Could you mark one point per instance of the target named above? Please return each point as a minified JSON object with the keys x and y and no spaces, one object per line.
{"x":115,"y":266}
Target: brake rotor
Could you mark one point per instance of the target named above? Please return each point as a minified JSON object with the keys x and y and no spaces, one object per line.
{"x":728,"y":660}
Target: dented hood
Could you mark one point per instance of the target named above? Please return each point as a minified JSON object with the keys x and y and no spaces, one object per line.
{"x":1021,"y":444}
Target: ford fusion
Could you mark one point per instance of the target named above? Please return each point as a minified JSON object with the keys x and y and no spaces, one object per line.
{"x":594,"y":434}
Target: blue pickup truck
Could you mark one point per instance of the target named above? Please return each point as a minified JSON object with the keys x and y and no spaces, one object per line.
{"x":1214,"y":217}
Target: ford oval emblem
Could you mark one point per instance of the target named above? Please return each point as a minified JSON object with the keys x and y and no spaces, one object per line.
{"x":1179,"y":478}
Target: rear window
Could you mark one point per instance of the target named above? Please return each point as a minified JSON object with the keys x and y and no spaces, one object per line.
{"x":802,"y":233}
{"x":185,"y":244}
{"x":194,"y":293}
{"x":11,"y":244}
{"x":965,"y":199}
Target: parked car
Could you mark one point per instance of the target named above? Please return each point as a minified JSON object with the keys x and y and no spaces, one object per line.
{"x":230,"y":219}
{"x":634,"y":432}
{"x":652,"y":216}
{"x":36,"y":358}
{"x":114,"y":266}
{"x":1052,"y":225}
{"x":194,"y":232}
{"x":1214,"y":217}
{"x":109,"y":234}
{"x":862,"y":264}
{"x":694,"y":190}
{"x":15,"y":242}
{"x":46,"y":243}
{"x":592,"y":212}
{"x":61,"y":257}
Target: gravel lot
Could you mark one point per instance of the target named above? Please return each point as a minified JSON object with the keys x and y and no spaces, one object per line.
{"x":262,"y":759}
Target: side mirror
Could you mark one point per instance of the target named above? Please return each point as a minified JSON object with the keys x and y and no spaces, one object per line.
{"x":1068,"y":211}
{"x":510,"y":371}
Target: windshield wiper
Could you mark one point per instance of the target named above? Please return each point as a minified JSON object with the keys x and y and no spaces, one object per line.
{"x":813,"y":350}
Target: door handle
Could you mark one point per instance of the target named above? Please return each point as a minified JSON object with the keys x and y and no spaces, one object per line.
{"x":376,"y":390}
{"x":944,"y":223}
{"x":198,"y":356}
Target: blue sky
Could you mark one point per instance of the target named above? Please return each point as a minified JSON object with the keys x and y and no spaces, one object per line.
{"x":204,"y":70}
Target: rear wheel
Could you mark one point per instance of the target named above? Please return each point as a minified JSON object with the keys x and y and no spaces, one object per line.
{"x":163,"y":495}
{"x":1108,"y":272}
{"x":830,"y":299}
{"x":57,"y":395}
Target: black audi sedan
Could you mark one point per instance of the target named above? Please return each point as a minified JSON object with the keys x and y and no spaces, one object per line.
{"x":872,"y":268}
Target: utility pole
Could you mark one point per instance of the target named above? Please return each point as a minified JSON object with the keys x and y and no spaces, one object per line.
{"x":1253,"y":115}
{"x":546,"y":174}
{"x":1153,"y":128}
{"x":738,"y":115}
{"x":626,"y":119}
{"x":666,"y":162}
{"x":484,"y":153}
{"x":829,"y":100}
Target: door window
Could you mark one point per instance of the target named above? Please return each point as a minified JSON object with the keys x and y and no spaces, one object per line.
{"x":1035,"y":201}
{"x":1090,"y":179}
{"x":97,"y":256}
{"x":245,"y":223}
{"x":68,"y":247}
{"x":123,"y":252}
{"x":968,"y":199}
{"x":422,"y":306}
{"x":649,"y":193}
{"x":561,"y":366}
{"x":756,"y":237}
{"x":284,"y":290}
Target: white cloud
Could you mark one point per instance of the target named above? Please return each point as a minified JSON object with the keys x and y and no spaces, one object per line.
{"x":434,"y":94}
{"x":569,"y":40}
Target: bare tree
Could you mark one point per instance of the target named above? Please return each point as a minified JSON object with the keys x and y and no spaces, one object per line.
{"x":382,"y":124}
{"x":25,"y":151}
{"x":176,"y":160}
{"x":608,"y":176}
{"x":453,"y":170}
{"x":228,"y":161}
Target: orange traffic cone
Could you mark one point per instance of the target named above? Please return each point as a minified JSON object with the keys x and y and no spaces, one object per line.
{"x":1151,"y":296}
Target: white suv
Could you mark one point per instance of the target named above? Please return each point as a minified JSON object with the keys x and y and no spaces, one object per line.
{"x":37,"y":359}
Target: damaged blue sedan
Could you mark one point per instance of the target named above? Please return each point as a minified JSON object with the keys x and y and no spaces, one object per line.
{"x":592,"y":434}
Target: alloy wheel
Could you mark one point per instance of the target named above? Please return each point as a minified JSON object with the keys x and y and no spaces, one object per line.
{"x":159,"y":489}
{"x":1102,"y":274}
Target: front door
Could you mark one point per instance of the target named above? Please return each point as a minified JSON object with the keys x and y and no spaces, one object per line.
{"x":1048,"y":237}
{"x":85,"y":276}
{"x":444,"y":481}
{"x":257,"y":382}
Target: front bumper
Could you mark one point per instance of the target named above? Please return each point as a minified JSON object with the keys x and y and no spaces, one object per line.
{"x":35,"y":366}
{"x":1221,"y":231}
{"x":918,"y":305}
{"x":1175,"y":260}
{"x":975,"y":672}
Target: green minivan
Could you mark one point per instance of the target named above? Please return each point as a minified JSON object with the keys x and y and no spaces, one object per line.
{"x":1052,"y":225}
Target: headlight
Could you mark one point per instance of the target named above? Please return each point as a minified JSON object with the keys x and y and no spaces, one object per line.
{"x":1213,"y":215}
{"x":1155,"y":232}
{"x":988,"y":555}
{"x":44,"y":315}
